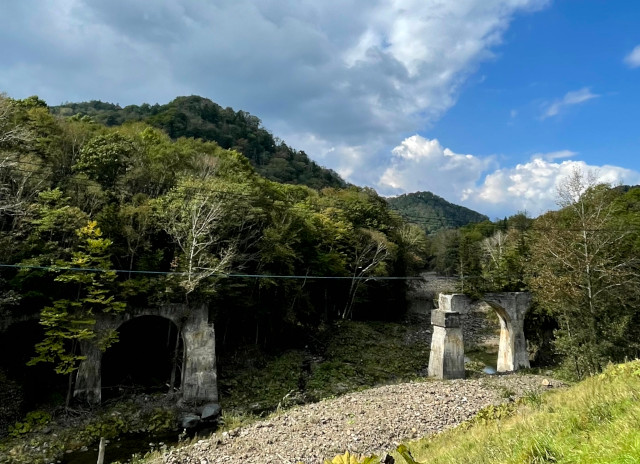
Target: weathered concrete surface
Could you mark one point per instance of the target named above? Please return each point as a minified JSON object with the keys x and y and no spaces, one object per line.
{"x":88,"y":386}
{"x":199,"y":377}
{"x":511,"y":309}
{"x":446,"y":360}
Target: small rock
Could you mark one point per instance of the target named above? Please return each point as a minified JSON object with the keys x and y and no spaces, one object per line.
{"x":546,"y":383}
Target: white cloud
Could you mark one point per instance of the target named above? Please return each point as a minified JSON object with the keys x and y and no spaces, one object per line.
{"x":554,"y":155}
{"x":571,"y":98}
{"x":353,"y":74}
{"x":424,"y":164}
{"x":480,"y":184}
{"x":633,"y":58}
{"x":532,"y":186}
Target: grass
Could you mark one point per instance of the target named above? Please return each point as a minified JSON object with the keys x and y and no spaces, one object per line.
{"x":360,"y":354}
{"x":595,"y":421}
{"x":352,"y":356}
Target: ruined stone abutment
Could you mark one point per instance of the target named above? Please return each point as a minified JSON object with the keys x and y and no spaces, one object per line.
{"x":199,"y":376}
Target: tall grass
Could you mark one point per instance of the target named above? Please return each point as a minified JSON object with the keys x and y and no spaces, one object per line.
{"x":596,"y":421}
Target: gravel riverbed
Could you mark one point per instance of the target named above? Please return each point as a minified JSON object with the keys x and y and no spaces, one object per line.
{"x":366,"y":422}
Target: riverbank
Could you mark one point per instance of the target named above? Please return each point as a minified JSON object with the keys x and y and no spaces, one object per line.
{"x":370,"y":421}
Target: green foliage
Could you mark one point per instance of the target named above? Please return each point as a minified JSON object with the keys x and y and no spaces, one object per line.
{"x":494,"y":413}
{"x":585,"y":275}
{"x":106,"y":158}
{"x":433,"y":213}
{"x":406,"y":454}
{"x":200,"y":118}
{"x":70,"y":322}
{"x":148,"y":176}
{"x":32,"y":421}
{"x":630,"y":370}
{"x":348,"y":458}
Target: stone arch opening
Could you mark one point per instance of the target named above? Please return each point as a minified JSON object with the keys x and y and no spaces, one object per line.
{"x":142,"y":359}
{"x":447,"y":342}
{"x":511,"y":308}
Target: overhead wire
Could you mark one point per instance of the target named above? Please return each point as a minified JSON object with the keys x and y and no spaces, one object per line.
{"x":219,"y":274}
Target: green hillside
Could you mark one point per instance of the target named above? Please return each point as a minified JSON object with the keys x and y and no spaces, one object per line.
{"x":432,"y":212}
{"x":201,"y":118}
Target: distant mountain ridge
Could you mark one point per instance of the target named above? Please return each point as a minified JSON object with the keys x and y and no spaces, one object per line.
{"x":200,"y":117}
{"x":432,"y":212}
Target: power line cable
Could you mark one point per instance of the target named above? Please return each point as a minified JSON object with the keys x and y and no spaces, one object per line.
{"x":223,"y":275}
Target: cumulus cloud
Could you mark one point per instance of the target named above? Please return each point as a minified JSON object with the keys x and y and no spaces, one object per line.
{"x":554,"y":155}
{"x":351,"y":74}
{"x":480,"y":184}
{"x":571,"y":98}
{"x":532,"y":186}
{"x":424,"y":164}
{"x":633,"y":58}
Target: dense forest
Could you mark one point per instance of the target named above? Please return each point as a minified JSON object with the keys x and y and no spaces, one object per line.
{"x":432,"y":212}
{"x":97,"y":219}
{"x":197,"y":117}
{"x":104,"y":209}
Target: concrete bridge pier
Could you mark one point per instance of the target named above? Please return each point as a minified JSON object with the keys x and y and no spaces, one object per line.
{"x":511,"y":308}
{"x":88,"y":385}
{"x":199,"y":376}
{"x":446,"y":360}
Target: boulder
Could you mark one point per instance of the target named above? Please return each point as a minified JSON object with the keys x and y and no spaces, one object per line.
{"x":210,"y":411}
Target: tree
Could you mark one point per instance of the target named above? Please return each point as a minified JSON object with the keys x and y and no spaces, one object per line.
{"x":18,"y":170}
{"x":585,"y":274}
{"x":192,"y":215}
{"x":106,"y":158}
{"x":371,"y":250}
{"x":70,"y":321}
{"x":505,"y":256}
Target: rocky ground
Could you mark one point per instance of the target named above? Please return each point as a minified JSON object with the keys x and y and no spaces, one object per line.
{"x":371,"y":421}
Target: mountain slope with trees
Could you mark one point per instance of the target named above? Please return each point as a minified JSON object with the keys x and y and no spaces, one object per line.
{"x":200,"y":118}
{"x":155,"y":219}
{"x":432,"y":212}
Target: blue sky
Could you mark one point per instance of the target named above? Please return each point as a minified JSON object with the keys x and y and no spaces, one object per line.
{"x":487,"y":103}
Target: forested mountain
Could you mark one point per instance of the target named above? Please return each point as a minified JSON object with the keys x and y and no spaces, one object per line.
{"x":433,"y":213}
{"x":168,"y":220}
{"x":201,"y":118}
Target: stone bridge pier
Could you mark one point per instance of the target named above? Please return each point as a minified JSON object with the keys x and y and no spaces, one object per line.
{"x":199,"y":376}
{"x":446,"y":360}
{"x":511,"y":308}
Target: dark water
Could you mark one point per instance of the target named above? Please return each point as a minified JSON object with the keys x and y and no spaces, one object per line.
{"x":123,"y":448}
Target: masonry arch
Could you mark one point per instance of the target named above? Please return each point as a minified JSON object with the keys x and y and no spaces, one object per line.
{"x":198,"y":376}
{"x":511,"y":308}
{"x":446,"y":359}
{"x":143,"y":357}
